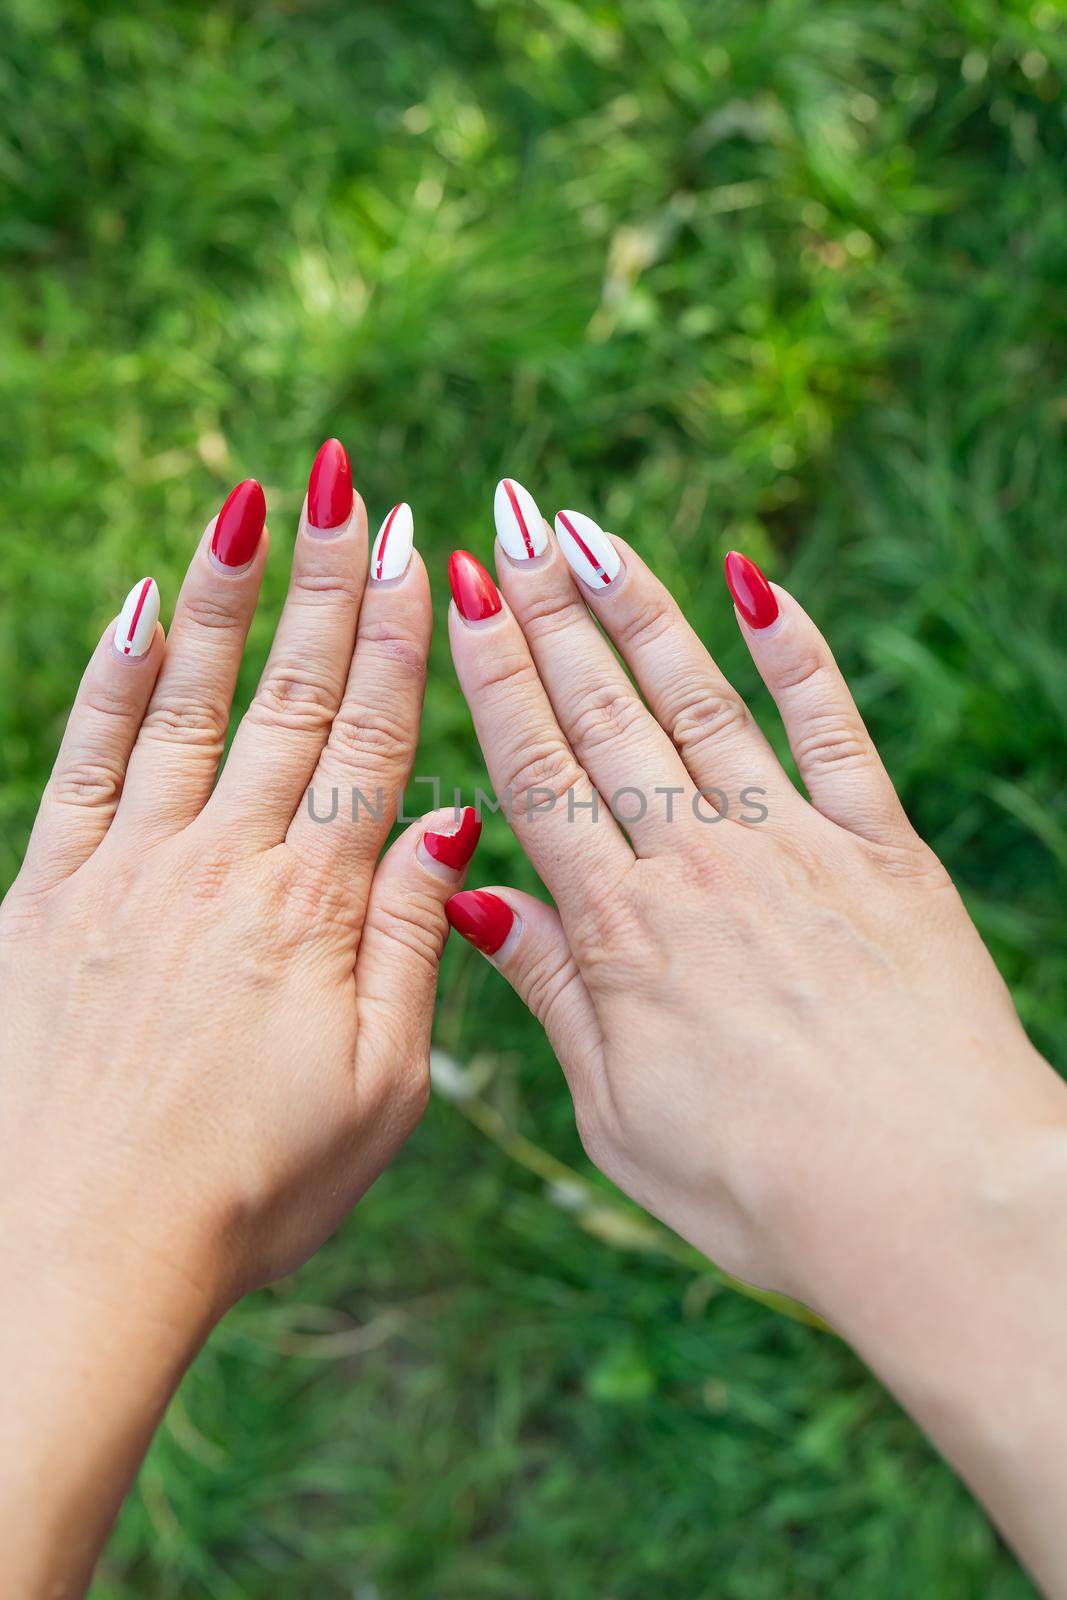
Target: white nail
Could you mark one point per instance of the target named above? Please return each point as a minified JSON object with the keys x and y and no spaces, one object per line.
{"x":520,"y":527}
{"x":136,"y":627}
{"x":392,"y":547}
{"x":588,"y":548}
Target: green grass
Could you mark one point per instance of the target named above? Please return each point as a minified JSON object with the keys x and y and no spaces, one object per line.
{"x":778,"y":273}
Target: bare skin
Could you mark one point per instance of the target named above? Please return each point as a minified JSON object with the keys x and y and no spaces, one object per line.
{"x":784,"y":1037}
{"x":216,"y":1011}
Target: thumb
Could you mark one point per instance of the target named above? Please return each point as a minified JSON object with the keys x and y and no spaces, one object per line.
{"x":403,"y":936}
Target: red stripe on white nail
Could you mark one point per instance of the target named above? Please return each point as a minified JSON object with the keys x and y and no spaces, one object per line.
{"x":509,"y":490}
{"x":390,"y":519}
{"x":135,"y":619}
{"x":584,"y":548}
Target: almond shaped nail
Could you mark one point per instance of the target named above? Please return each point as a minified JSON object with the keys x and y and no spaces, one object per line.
{"x":590,"y":553}
{"x":240,"y":525}
{"x":330,"y":488}
{"x":520,"y":527}
{"x":752,"y":594}
{"x":476,"y":595}
{"x":136,"y":625}
{"x":392,"y":548}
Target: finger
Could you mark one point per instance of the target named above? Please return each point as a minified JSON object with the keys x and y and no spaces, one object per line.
{"x":621,"y":746}
{"x":560,"y":819}
{"x":176,"y":757}
{"x":83,"y":791}
{"x":718,"y":740}
{"x":403,"y":935}
{"x":281,"y":736}
{"x":834,"y":753}
{"x":359,"y":779}
{"x":526,"y":941}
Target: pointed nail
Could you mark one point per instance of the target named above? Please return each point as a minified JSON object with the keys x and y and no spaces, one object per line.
{"x":136,"y":626}
{"x":240,"y":525}
{"x":588,"y":549}
{"x":473,"y":590}
{"x":330,"y":489}
{"x":392,"y":548}
{"x":752,"y":594}
{"x":520,"y":527}
{"x":455,"y":849}
{"x":482,"y":918}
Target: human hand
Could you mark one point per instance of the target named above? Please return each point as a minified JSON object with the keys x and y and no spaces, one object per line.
{"x":216,"y":1009}
{"x":783,"y":1035}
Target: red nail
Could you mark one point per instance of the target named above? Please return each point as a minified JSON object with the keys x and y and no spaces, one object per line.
{"x":455,"y":849}
{"x":481,"y":917}
{"x":330,"y":487}
{"x":753,"y":595}
{"x":473,"y":590}
{"x":240,"y":525}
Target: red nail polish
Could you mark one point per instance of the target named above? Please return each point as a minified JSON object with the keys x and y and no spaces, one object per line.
{"x":481,"y":917}
{"x":473,"y":590}
{"x":455,"y":849}
{"x":753,"y":595}
{"x":330,"y":487}
{"x":237,"y":532}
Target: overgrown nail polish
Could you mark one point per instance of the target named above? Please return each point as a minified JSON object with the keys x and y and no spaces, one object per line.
{"x":392,"y":548}
{"x":136,"y":626}
{"x":588,"y":549}
{"x":520,"y":527}
{"x":240,"y":525}
{"x":330,"y":488}
{"x":455,"y":849}
{"x":473,"y":590}
{"x":752,"y":594}
{"x":482,"y":918}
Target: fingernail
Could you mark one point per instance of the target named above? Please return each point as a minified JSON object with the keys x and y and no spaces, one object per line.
{"x":392,"y":548}
{"x":482,"y":918}
{"x":473,"y":590}
{"x":520,"y":527}
{"x":455,"y":849}
{"x":589,"y":551}
{"x":136,"y":626}
{"x":330,"y":489}
{"x":752,"y":594}
{"x":240,"y":525}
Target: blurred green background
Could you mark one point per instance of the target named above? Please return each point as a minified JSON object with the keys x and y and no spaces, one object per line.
{"x":784,"y":275}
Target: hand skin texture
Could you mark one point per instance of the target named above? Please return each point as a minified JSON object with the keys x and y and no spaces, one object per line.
{"x":214,"y":1011}
{"x":784,"y":1038}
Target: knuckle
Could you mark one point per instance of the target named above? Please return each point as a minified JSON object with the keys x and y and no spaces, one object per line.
{"x":548,"y":767}
{"x":604,"y":713}
{"x":320,"y":902}
{"x":399,"y":648}
{"x":708,"y":714}
{"x":369,"y":738}
{"x":505,"y":676}
{"x":647,"y":623}
{"x":111,"y":700}
{"x":325,"y":588}
{"x":290,"y":697}
{"x":187,"y":722}
{"x":830,"y":742}
{"x":548,"y":981}
{"x":549,"y":613}
{"x":212,"y":608}
{"x":417,"y":928}
{"x":807,"y":670}
{"x":88,"y":783}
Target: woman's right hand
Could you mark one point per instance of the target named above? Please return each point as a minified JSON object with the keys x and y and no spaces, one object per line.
{"x":783,"y":1036}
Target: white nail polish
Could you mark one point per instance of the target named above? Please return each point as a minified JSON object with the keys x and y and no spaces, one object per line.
{"x":392,"y":547}
{"x":136,"y":627}
{"x":520,"y":527}
{"x":588,"y":549}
